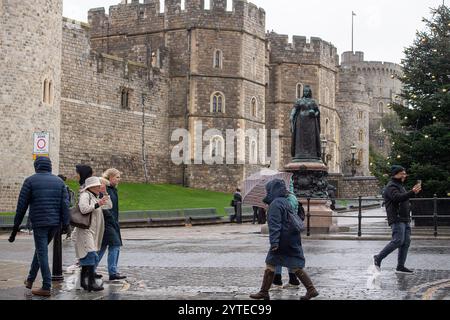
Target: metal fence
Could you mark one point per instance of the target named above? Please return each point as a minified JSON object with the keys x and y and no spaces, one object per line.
{"x":435,"y":216}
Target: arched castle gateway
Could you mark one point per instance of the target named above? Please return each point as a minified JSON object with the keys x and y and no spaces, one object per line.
{"x":112,"y":91}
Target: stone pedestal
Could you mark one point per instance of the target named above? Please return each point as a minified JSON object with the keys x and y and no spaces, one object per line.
{"x":310,"y":181}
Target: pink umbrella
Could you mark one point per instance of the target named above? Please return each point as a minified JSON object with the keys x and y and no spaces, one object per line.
{"x":254,"y":190}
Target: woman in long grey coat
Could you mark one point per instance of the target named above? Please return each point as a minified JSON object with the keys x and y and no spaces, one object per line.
{"x":88,"y":241}
{"x":285,"y":245}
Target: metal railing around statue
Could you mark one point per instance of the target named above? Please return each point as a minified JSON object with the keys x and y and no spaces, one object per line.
{"x":425,"y":212}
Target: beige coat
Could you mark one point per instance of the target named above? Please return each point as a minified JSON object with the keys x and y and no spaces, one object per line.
{"x":90,"y":240}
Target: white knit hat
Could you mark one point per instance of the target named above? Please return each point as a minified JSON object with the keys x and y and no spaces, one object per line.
{"x":91,"y":182}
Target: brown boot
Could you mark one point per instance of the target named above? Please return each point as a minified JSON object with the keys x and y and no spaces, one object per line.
{"x":41,"y":292}
{"x":311,"y":292}
{"x":267,"y":282}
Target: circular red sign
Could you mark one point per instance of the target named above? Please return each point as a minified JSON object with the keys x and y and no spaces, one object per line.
{"x":41,"y":144}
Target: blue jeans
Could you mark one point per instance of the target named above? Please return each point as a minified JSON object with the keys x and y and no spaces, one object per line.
{"x":113,"y":258}
{"x":401,"y":239}
{"x":42,"y":238}
{"x":278,"y":270}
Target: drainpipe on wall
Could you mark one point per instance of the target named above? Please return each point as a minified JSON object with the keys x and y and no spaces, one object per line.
{"x":188,"y":97}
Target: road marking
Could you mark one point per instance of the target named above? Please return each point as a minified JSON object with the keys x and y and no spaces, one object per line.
{"x":431,"y":291}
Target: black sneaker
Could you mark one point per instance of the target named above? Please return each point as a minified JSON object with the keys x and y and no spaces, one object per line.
{"x":403,"y":270}
{"x":376,"y":263}
{"x":116,"y":277}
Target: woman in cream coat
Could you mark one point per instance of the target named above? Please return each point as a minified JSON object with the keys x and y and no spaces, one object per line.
{"x":88,"y":241}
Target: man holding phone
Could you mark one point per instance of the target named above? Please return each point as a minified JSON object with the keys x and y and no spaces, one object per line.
{"x":397,"y":204}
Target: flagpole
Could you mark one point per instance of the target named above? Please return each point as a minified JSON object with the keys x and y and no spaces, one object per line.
{"x":353,"y":14}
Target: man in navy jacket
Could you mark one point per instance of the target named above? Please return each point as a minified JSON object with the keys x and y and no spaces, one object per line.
{"x":46,"y":196}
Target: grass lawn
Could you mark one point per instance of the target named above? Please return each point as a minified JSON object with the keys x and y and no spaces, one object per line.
{"x":165,"y":197}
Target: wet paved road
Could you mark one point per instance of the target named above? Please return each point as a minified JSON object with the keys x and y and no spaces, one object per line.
{"x":227,"y":262}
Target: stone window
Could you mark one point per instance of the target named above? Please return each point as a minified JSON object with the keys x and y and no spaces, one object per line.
{"x":218,"y":57}
{"x":218,"y":103}
{"x":254,"y":107}
{"x":125,"y":98}
{"x":360,"y":155}
{"x":217,"y":146}
{"x":299,"y":90}
{"x":327,"y":127}
{"x":47,"y":94}
{"x":254,"y":67}
{"x":360,"y":115}
{"x":253,"y":152}
{"x":380,"y":107}
{"x":381,"y":142}
{"x":361,"y":136}
{"x":327,"y":96}
{"x":183,"y":4}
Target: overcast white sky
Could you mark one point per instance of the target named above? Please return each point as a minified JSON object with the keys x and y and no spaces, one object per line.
{"x":382,"y":27}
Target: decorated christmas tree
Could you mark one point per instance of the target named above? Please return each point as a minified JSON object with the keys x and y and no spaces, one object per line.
{"x":423,"y":146}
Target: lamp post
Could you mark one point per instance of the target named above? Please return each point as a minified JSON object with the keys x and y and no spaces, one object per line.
{"x":324,"y":143}
{"x":353,"y":151}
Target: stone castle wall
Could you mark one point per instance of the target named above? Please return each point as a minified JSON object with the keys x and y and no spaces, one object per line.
{"x":30,"y":53}
{"x":95,"y":128}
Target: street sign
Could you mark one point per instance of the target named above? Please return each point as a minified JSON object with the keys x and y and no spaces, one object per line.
{"x":41,"y":144}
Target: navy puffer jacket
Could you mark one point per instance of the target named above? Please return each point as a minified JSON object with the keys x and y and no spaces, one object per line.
{"x":47,"y":197}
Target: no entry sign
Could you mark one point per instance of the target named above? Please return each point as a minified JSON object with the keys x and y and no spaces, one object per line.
{"x":41,"y":143}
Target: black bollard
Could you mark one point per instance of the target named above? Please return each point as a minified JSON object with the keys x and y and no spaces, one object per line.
{"x":57,"y":272}
{"x":239,"y":212}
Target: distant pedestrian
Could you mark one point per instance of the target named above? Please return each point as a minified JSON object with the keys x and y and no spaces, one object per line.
{"x":262,"y":216}
{"x":112,"y":239}
{"x":293,"y":281}
{"x":71,"y":199}
{"x":83,"y":172}
{"x":89,"y":241}
{"x":237,"y":198}
{"x":70,"y":192}
{"x":332,"y":195}
{"x":255,"y":214}
{"x":46,"y":196}
{"x":396,"y":200}
{"x":285,"y":243}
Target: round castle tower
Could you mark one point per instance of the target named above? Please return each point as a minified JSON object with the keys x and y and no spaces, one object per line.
{"x":383,"y":88}
{"x":30,"y":83}
{"x":353,"y":103}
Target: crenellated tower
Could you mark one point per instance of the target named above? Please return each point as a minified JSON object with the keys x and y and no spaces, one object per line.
{"x":215,"y":61}
{"x":293,"y":65}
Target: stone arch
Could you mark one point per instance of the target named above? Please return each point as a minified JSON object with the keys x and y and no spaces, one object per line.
{"x":217,"y":103}
{"x":254,"y":107}
{"x":217,"y":148}
{"x":253,"y":151}
{"x":299,"y":90}
{"x":218,"y":59}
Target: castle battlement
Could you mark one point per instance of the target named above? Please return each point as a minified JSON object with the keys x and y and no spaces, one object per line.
{"x":134,"y":17}
{"x":355,"y":61}
{"x":81,"y":49}
{"x":302,"y":50}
